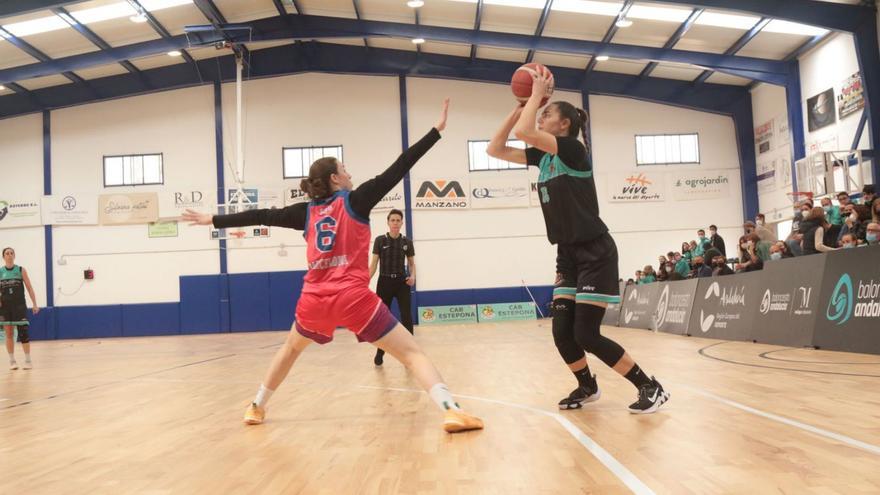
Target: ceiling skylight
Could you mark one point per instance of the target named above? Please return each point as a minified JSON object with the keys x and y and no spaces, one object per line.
{"x":733,"y":21}
{"x":786,"y":27}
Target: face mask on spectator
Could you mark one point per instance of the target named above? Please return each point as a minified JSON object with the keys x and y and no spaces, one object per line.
{"x":776,"y":256}
{"x":871,"y":237}
{"x":848,"y":245}
{"x":712,"y":232}
{"x":827,"y":209}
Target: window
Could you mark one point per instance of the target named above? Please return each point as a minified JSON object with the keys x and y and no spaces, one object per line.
{"x":480,"y":160}
{"x":133,"y":170}
{"x":298,"y":160}
{"x":666,"y":149}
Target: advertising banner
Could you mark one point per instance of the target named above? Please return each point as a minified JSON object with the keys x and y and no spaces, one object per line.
{"x":491,"y":313}
{"x":70,"y":209}
{"x":128,"y":209}
{"x":441,"y":315}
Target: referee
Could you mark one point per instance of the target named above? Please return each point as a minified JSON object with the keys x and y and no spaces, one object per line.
{"x":389,"y":253}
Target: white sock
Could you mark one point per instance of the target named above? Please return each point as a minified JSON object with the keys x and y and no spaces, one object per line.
{"x":263,"y":396}
{"x":440,"y":395}
{"x":27,"y":358}
{"x":11,"y":357}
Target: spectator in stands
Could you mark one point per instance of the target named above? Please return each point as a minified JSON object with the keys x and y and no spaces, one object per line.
{"x":716,"y":240}
{"x":701,"y":269}
{"x":682,"y":266}
{"x":872,"y":233}
{"x":852,"y":223}
{"x":648,"y":275}
{"x":848,"y":241}
{"x":843,"y":199}
{"x":875,"y":212}
{"x":661,"y":260}
{"x":749,"y":260}
{"x":758,"y":227}
{"x":638,"y":278}
{"x":686,"y":251}
{"x":782,"y":248}
{"x":868,"y":195}
{"x":629,"y":281}
{"x":776,"y":251}
{"x":813,"y":229}
{"x":662,"y":274}
{"x":719,"y":267}
{"x":694,"y":247}
{"x":832,"y":212}
{"x":702,"y":243}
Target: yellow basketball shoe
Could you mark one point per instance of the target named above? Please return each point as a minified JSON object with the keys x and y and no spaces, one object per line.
{"x":455,"y":421}
{"x":254,"y":414}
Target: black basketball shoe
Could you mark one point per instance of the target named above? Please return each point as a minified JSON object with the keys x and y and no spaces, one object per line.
{"x":651,"y":397}
{"x":581,"y":395}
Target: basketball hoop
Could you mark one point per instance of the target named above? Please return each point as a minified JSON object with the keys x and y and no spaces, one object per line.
{"x":799,"y":196}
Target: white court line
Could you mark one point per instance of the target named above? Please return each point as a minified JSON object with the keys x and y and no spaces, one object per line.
{"x":623,"y":474}
{"x":852,"y":442}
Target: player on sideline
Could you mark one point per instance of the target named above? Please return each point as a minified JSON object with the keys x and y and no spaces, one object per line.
{"x":336,"y":291}
{"x":586,"y":259}
{"x":13,"y":309}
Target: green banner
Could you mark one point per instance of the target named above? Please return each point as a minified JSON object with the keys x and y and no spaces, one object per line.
{"x":162,"y":229}
{"x":442,"y":315}
{"x":506,"y":312}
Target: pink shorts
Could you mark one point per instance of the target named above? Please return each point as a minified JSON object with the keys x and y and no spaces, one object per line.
{"x":358,"y":309}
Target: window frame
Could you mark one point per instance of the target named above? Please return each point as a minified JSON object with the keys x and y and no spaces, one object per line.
{"x":133,"y":155}
{"x":667,"y":163}
{"x":516,"y":166}
{"x":284,"y":149}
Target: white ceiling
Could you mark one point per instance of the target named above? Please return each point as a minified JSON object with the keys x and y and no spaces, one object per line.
{"x":653,"y":24}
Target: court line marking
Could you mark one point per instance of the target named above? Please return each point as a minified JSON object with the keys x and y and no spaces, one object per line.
{"x":852,"y":442}
{"x":623,"y":474}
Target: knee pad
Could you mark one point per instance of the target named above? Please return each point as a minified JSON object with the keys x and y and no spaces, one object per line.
{"x":563,"y":311}
{"x":23,"y":335}
{"x":588,"y":321}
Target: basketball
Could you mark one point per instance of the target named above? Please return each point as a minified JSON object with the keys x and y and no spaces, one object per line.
{"x":521,"y":83}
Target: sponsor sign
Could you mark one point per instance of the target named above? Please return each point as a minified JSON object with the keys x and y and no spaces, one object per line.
{"x":19,"y":212}
{"x":788,"y":306}
{"x":764,"y":136}
{"x":392,"y":200}
{"x":820,"y":110}
{"x":851,"y":96}
{"x":766,"y":176}
{"x":162,"y":229}
{"x":636,"y":187}
{"x":173,"y":204}
{"x":724,"y":307}
{"x":70,"y":209}
{"x":294,"y":195}
{"x":783,"y":173}
{"x":639,"y":305}
{"x":128,"y":209}
{"x":493,"y":190}
{"x":490,"y":313}
{"x":674,"y":304}
{"x":709,"y":184}
{"x":612,"y":312}
{"x":849,"y":304}
{"x":441,"y":194}
{"x":782,"y":131}
{"x":441,"y":315}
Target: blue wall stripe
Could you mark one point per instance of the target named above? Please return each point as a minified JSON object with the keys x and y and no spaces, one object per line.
{"x":218,"y":144}
{"x":47,"y":190}
{"x":407,"y":186}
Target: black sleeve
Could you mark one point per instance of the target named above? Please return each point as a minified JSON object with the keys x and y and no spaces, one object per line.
{"x":412,"y":248}
{"x":365,"y":197}
{"x":533,"y":156}
{"x":291,"y":217}
{"x":377,"y":245}
{"x":572,"y":153}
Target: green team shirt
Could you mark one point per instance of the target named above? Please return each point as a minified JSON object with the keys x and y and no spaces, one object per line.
{"x":11,"y":285}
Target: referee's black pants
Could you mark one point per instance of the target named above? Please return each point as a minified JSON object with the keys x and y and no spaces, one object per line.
{"x":391,"y":287}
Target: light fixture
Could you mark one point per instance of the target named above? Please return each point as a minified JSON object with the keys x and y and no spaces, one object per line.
{"x":601,"y":58}
{"x":174,"y":53}
{"x":623,"y":22}
{"x":2,"y":87}
{"x":140,"y":18}
{"x":415,"y":3}
{"x":418,"y":41}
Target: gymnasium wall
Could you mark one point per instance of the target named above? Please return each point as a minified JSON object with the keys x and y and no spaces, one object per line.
{"x":768,"y":103}
{"x":457,"y":251}
{"x":21,"y":142}
{"x":178,"y":124}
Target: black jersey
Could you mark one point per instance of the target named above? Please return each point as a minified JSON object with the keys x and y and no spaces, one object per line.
{"x":567,"y":192}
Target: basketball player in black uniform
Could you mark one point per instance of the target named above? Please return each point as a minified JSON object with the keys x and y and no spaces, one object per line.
{"x":13,"y":309}
{"x":586,"y":260}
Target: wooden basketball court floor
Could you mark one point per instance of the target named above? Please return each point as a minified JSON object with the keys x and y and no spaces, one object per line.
{"x":163,"y":415}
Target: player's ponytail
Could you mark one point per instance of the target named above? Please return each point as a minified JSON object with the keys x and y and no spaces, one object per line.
{"x":317,"y":184}
{"x":579,"y":121}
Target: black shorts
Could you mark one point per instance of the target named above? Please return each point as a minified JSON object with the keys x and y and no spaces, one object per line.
{"x":12,"y":312}
{"x":588,"y":271}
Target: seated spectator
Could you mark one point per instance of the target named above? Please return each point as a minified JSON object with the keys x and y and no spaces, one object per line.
{"x":848,"y":241}
{"x":702,"y":241}
{"x":694,"y":246}
{"x":701,"y":269}
{"x":832,"y":212}
{"x":763,"y":232}
{"x":629,"y":281}
{"x":686,"y":251}
{"x":710,"y":254}
{"x":843,"y":199}
{"x":682,"y":266}
{"x":852,"y":224}
{"x":648,"y":275}
{"x":813,"y":229}
{"x":795,"y":236}
{"x":749,"y":260}
{"x":670,"y":256}
{"x":716,"y":241}
{"x":779,"y":250}
{"x":638,"y":278}
{"x":872,"y":233}
{"x":662,"y":274}
{"x":719,"y":267}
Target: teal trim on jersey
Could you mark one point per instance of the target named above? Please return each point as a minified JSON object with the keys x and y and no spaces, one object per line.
{"x":598,"y":298}
{"x":552,"y":166}
{"x":14,"y":323}
{"x":13,"y":274}
{"x":564,"y":291}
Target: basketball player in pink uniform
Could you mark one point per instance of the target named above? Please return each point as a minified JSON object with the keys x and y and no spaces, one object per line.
{"x":336,"y":227}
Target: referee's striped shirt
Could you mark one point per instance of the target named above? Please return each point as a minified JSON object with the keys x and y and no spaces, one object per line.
{"x":392,"y":254}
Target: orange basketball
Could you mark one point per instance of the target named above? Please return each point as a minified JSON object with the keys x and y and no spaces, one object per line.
{"x":521,"y":83}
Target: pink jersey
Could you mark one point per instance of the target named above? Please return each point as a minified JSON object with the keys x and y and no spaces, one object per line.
{"x":337,"y":246}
